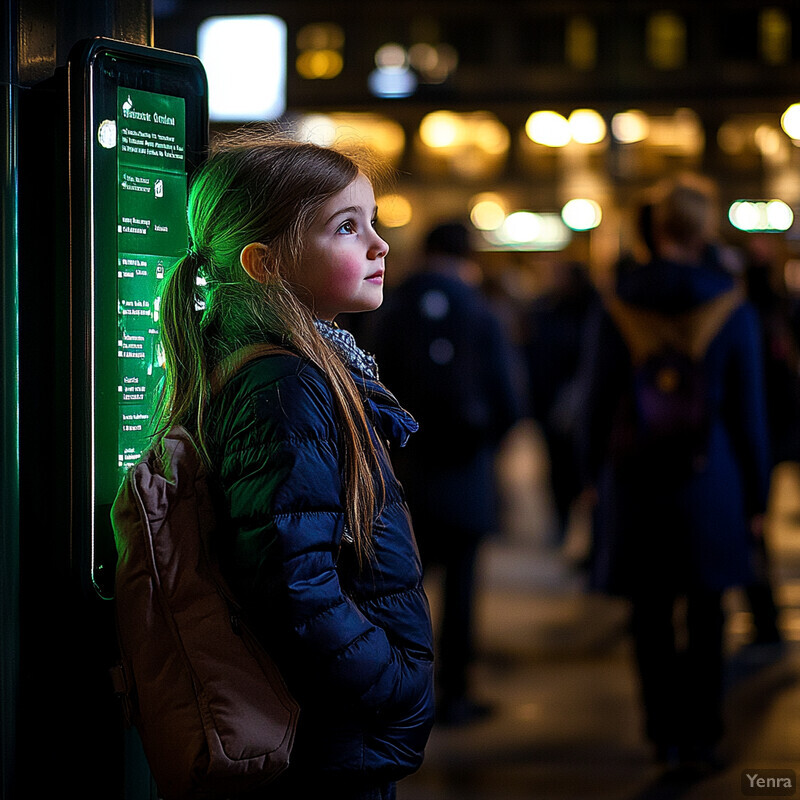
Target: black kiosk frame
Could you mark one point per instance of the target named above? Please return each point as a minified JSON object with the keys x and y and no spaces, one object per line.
{"x":138,"y":128}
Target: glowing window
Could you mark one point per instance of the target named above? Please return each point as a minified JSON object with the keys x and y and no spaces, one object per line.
{"x":581,"y":43}
{"x":245,"y":61}
{"x":774,"y":36}
{"x":666,"y":40}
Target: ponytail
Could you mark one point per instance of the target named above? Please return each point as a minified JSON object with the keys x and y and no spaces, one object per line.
{"x":183,"y":397}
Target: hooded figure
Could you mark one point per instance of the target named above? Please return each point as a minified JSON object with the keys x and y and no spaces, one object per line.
{"x":663,"y":532}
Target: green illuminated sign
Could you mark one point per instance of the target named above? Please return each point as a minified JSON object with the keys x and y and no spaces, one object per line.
{"x":138,"y":121}
{"x":151,"y":235}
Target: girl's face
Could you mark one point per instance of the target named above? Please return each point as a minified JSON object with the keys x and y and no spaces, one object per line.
{"x":342,"y":266}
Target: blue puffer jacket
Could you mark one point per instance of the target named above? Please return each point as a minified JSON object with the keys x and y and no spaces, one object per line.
{"x":354,"y":645}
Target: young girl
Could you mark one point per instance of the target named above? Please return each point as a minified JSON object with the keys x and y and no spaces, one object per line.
{"x":315,"y":535}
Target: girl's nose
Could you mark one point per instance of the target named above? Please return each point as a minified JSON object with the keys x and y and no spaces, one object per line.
{"x":379,"y":248}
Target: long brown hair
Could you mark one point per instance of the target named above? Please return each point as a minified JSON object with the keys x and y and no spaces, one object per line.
{"x":266,"y":190}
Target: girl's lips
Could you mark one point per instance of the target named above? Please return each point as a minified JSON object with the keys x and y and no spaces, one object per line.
{"x":377,"y":277}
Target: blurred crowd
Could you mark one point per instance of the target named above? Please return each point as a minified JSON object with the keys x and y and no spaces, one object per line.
{"x":664,"y":397}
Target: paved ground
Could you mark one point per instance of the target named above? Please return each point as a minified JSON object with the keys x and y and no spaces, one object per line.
{"x":555,"y":663}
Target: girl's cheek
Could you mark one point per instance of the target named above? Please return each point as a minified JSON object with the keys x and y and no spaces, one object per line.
{"x":347,"y":271}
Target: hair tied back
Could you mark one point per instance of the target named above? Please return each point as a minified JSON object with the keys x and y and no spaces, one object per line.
{"x":193,"y":255}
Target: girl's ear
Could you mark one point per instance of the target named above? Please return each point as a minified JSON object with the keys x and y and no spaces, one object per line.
{"x":253,"y":259}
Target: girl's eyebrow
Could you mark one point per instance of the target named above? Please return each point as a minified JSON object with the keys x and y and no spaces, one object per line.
{"x":348,"y":210}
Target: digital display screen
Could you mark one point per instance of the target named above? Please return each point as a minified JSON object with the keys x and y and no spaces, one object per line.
{"x":143,"y":119}
{"x":151,"y":236}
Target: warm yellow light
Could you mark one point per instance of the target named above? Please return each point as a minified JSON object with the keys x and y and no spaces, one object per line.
{"x":790,"y":121}
{"x":548,"y":128}
{"x":319,"y":64}
{"x":581,"y":214}
{"x":487,"y":212}
{"x":319,"y":129}
{"x":630,"y":126}
{"x":373,"y":131}
{"x":666,"y":40}
{"x":581,"y":43}
{"x":768,"y":140}
{"x":491,"y":136}
{"x":440,"y":129}
{"x":774,"y":36}
{"x":731,"y":138}
{"x":320,"y":36}
{"x":680,"y":132}
{"x":394,"y":210}
{"x":472,"y":145}
{"x":587,"y":126}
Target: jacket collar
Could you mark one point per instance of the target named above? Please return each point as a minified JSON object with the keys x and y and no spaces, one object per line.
{"x":391,"y":419}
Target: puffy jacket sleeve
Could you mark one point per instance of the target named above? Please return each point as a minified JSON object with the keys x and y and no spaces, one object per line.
{"x":280,"y":472}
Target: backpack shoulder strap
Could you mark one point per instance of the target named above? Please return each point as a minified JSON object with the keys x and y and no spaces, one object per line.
{"x":642,"y":330}
{"x":706,"y":321}
{"x":229,"y":366}
{"x":645,"y":332}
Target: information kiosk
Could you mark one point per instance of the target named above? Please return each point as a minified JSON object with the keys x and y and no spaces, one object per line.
{"x":138,"y":129}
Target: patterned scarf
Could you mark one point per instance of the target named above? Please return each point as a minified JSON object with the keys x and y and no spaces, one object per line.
{"x":345,"y":344}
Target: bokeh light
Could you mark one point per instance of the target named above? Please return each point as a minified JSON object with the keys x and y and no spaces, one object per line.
{"x":630,"y":126}
{"x":790,"y":121}
{"x":760,"y":215}
{"x":548,"y":128}
{"x":394,"y":210}
{"x":487,"y":211}
{"x":581,"y":214}
{"x":586,"y":126}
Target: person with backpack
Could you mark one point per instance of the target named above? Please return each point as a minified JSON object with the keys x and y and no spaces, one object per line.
{"x":442,"y":345}
{"x":674,"y":448}
{"x":313,"y":534}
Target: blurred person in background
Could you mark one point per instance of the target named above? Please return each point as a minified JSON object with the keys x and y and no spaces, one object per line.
{"x":782,"y":382}
{"x":766,"y":291}
{"x":677,"y":516}
{"x":554,"y":331}
{"x":456,"y":371}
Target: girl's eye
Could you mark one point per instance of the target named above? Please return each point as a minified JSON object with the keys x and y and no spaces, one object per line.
{"x":345,"y":227}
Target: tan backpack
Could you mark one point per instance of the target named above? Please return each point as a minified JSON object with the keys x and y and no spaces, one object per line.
{"x":213,"y":713}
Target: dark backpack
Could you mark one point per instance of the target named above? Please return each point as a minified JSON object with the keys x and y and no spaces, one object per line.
{"x":213,"y":713}
{"x":667,"y":413}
